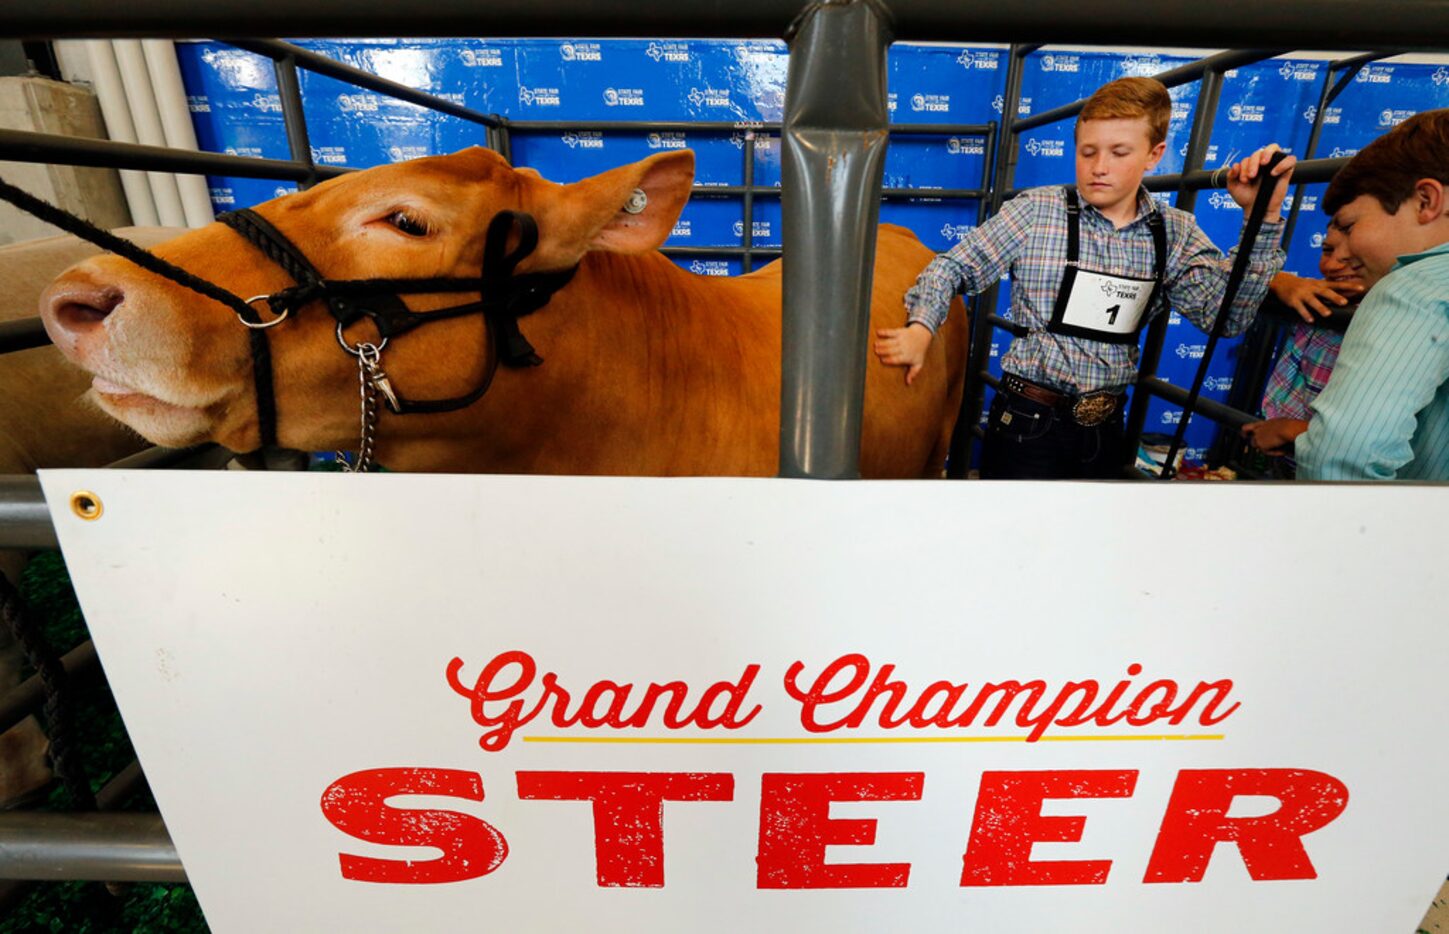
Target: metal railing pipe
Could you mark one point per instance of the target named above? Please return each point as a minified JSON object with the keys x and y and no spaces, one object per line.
{"x":1001,"y":163}
{"x":25,"y":146}
{"x":1183,"y":74}
{"x":157,"y":458}
{"x":24,"y":515}
{"x":278,"y":51}
{"x":748,"y":208}
{"x":294,"y":121}
{"x":22,"y":334}
{"x":104,"y":847}
{"x":1210,"y":407}
{"x":1323,"y":24}
{"x":833,"y":149}
{"x":1309,"y":170}
{"x":1197,"y":148}
{"x":719,"y":251}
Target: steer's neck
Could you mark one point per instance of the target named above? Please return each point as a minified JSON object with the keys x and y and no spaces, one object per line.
{"x":638,"y":354}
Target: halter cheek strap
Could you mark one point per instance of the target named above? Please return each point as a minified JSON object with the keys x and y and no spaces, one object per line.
{"x":504,"y":298}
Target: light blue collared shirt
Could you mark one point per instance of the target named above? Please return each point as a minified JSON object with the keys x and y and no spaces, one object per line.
{"x":1384,"y":414}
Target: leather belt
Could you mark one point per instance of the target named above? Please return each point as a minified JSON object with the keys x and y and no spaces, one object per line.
{"x":1088,"y":409}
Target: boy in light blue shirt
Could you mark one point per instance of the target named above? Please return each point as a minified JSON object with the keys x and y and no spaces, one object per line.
{"x":1384,"y":414}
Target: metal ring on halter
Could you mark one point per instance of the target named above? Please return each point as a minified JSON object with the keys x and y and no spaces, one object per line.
{"x":263,"y":325}
{"x":355,"y":351}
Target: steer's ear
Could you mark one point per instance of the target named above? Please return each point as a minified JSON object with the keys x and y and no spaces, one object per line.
{"x":591,"y":215}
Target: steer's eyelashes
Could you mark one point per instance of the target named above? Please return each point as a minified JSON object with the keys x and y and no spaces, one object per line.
{"x":410,"y":224}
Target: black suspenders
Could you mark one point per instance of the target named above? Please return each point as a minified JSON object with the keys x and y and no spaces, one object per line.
{"x":1069,"y":275}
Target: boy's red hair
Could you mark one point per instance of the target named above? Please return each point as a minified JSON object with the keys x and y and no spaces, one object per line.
{"x":1129,"y":99}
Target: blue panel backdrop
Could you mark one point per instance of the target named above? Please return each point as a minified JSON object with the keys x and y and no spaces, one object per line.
{"x":234,"y":104}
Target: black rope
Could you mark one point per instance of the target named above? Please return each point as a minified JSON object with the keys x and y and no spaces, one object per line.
{"x":1266,"y":184}
{"x":55,"y":681}
{"x":108,"y":241}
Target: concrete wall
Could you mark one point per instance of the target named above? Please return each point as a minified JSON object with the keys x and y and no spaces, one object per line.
{"x":44,"y":106}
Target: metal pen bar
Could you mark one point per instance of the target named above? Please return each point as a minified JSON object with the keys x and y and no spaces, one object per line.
{"x":505,"y":142}
{"x":22,"y":334}
{"x":1358,"y":61}
{"x":748,"y":231}
{"x":719,"y":251}
{"x":1005,"y":324}
{"x":1310,"y":170}
{"x":936,"y":194}
{"x":1393,"y":24}
{"x":25,"y":146}
{"x":1313,"y":135}
{"x":99,"y":846}
{"x":113,"y":796}
{"x":294,"y":121}
{"x":121,"y":788}
{"x":833,"y":149}
{"x":1001,"y":164}
{"x":27,"y":697}
{"x":157,"y":458}
{"x":941,"y":129}
{"x":1213,"y":409}
{"x":322,"y":65}
{"x":724,"y":126}
{"x":1197,"y":147}
{"x":1183,"y":74}
{"x":24,"y":515}
{"x":967,"y":425}
{"x":640,"y":126}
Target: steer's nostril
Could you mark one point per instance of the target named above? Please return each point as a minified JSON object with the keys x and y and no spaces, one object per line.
{"x":81,"y":312}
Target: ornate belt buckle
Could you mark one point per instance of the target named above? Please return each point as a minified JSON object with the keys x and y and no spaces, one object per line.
{"x":1091,"y":410}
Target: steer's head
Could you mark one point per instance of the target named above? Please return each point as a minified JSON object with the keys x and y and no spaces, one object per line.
{"x":176,"y":366}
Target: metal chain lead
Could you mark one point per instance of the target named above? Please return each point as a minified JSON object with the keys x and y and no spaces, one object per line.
{"x":369,"y":374}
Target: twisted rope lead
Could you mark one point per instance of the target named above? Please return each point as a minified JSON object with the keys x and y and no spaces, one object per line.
{"x":54,"y":680}
{"x":124,"y":248}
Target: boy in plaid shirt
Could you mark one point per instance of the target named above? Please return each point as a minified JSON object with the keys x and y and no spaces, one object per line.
{"x":1309,"y":352}
{"x":1090,"y":266}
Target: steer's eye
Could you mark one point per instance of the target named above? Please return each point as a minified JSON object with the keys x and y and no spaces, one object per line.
{"x":408,"y":223}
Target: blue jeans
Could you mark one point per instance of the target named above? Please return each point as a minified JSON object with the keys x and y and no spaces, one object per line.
{"x":1027,"y":440}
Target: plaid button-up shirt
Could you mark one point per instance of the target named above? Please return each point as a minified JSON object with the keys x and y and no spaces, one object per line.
{"x":1301,"y":372}
{"x":1029,"y":238}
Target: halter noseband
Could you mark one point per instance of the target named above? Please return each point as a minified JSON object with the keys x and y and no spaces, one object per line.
{"x":504,"y":298}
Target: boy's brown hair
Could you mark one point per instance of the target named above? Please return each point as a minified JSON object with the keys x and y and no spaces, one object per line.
{"x":1130,"y":98}
{"x":1387,"y":168}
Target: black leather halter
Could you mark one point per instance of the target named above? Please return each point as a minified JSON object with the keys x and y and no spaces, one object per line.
{"x":504,"y":298}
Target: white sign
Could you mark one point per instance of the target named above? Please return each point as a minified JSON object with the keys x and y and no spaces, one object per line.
{"x":388,"y":702}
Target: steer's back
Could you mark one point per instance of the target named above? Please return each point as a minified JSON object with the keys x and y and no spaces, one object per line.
{"x":907,"y":429}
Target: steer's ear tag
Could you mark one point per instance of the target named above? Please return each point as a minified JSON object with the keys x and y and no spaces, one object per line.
{"x":637,"y":202}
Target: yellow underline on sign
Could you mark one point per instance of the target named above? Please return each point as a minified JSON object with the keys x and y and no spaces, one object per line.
{"x":865,"y":740}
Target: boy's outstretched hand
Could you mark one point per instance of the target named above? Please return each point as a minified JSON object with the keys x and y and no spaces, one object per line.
{"x":1275,"y":434}
{"x":1243,"y":179}
{"x":904,"y":347}
{"x":1308,"y":296}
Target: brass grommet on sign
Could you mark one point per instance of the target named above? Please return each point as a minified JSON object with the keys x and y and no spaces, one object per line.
{"x":86,"y":504}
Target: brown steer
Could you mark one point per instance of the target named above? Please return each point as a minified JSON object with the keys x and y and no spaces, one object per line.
{"x":649,"y":370}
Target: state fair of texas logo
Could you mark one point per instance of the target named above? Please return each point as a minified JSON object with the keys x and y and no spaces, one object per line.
{"x":1221,"y":200}
{"x":1440,"y":77}
{"x":667,"y":52}
{"x":1033,"y":146}
{"x":581,"y":52}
